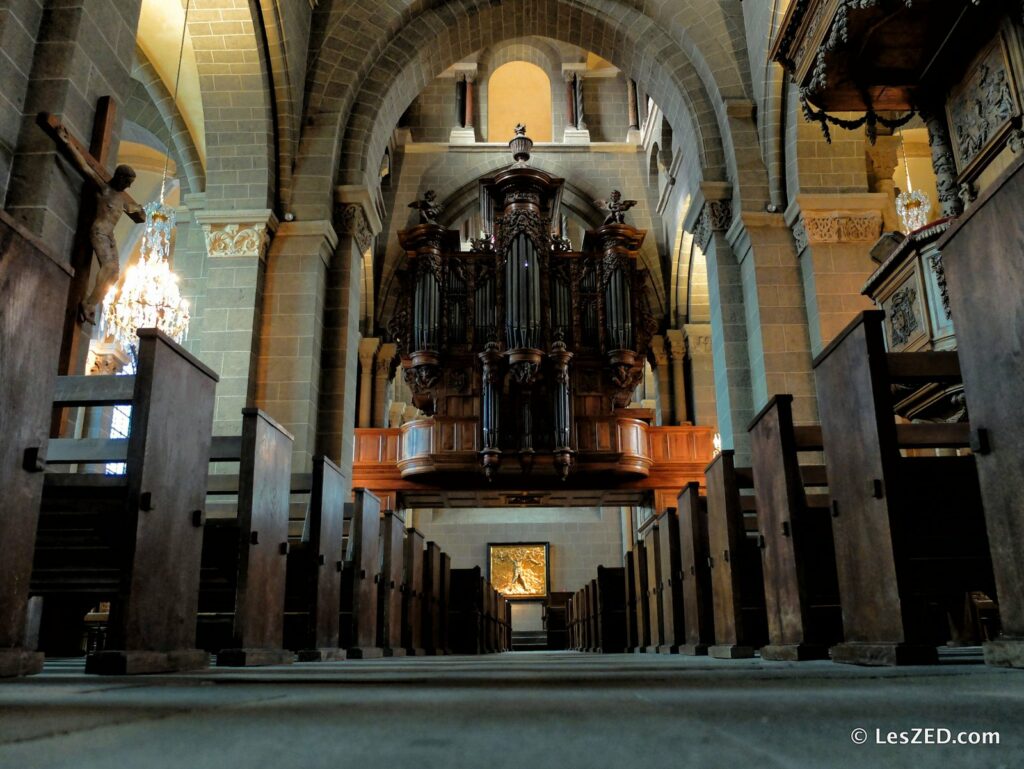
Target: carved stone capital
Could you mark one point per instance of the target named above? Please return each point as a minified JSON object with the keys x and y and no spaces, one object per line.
{"x":105,"y":359}
{"x":658,"y":350}
{"x":353,"y":222}
{"x":237,"y":233}
{"x":368,"y":347}
{"x":676,"y":343}
{"x":715,"y":216}
{"x":385,"y":359}
{"x":698,"y":338}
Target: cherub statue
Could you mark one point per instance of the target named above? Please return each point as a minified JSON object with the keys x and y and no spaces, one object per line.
{"x":616,"y":208}
{"x":112,"y":201}
{"x":429,"y":208}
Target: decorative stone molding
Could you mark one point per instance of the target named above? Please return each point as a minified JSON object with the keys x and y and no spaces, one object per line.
{"x":105,"y":359}
{"x":659,"y":350}
{"x":698,"y":338}
{"x":237,"y":233}
{"x":676,"y":343}
{"x":839,"y":218}
{"x":354,"y":224}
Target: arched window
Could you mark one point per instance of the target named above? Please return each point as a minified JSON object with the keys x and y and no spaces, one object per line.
{"x":518,"y":92}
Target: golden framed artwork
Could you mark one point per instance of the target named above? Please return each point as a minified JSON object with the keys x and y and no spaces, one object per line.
{"x":519,"y":570}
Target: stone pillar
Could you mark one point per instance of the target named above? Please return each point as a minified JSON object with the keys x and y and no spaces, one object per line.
{"x":570,"y":98}
{"x":709,"y":216}
{"x":677,"y":352}
{"x":367,"y":352}
{"x":702,"y":373}
{"x":633,"y":135}
{"x":381,"y":375}
{"x":228,"y":326}
{"x":291,"y":335}
{"x":950,"y":204}
{"x":833,"y":236}
{"x":778,"y":345}
{"x":669,"y":404}
{"x":883,"y":158}
{"x":467,"y":121}
{"x":576,"y":129}
{"x":356,"y":226}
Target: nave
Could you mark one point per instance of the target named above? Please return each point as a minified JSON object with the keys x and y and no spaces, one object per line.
{"x":516,"y":709}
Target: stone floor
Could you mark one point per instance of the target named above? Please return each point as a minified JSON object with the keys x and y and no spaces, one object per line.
{"x":528,"y":710}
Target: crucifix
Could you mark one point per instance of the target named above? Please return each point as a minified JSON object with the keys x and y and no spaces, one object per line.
{"x":97,"y":216}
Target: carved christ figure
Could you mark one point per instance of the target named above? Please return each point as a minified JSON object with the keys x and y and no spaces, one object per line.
{"x":112,"y":202}
{"x":616,"y":208}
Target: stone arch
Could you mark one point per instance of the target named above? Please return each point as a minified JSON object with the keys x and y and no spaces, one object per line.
{"x":533,"y":50}
{"x":511,"y":81}
{"x":237,"y":88}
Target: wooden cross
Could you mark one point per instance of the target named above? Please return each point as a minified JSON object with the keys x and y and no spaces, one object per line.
{"x":76,"y":339}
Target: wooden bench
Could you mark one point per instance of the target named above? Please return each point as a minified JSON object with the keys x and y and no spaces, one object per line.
{"x":798,"y":553}
{"x":412,"y":597}
{"x":631,"y":599}
{"x":670,"y":582}
{"x":360,"y":577}
{"x":556,"y":623}
{"x":909,"y":531}
{"x":32,"y":283}
{"x":736,"y":578}
{"x":609,"y":589}
{"x":656,"y":620}
{"x":465,"y":611}
{"x":244,"y":565}
{"x":390,"y":586}
{"x":695,"y":560}
{"x":981,"y":255}
{"x":133,"y":540}
{"x":642,"y":616}
{"x":432,"y":600}
{"x":446,"y":591}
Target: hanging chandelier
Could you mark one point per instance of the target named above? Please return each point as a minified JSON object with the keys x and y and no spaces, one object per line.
{"x":148,"y":296}
{"x":913,"y":206}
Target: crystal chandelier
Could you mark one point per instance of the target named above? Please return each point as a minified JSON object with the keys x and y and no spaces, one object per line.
{"x":913,"y":206}
{"x":148,"y":296}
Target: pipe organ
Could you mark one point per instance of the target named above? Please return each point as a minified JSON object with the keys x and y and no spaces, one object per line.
{"x":523,"y":352}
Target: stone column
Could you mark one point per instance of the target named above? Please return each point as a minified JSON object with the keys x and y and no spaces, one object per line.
{"x":467,"y":121}
{"x":291,"y":336}
{"x":356,"y":223}
{"x":709,"y":216}
{"x":381,"y":374}
{"x":367,"y":352}
{"x":665,"y":396}
{"x":228,"y":326}
{"x":633,"y":135}
{"x":677,"y":352}
{"x":698,"y":348}
{"x":576,"y":128}
{"x":833,"y":236}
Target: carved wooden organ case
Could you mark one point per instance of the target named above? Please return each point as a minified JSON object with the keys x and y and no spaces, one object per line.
{"x":522,"y":348}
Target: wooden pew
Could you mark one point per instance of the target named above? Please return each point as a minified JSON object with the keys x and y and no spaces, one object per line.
{"x":643,"y":606}
{"x":432,"y":600}
{"x":610,"y":609}
{"x":656,"y":627}
{"x":670,"y":582}
{"x":360,"y":577}
{"x":556,"y":620}
{"x":736,"y":577}
{"x":981,"y":256}
{"x":244,"y":564}
{"x":465,"y":609}
{"x":570,"y":622}
{"x":798,"y":555}
{"x":135,"y":539}
{"x":631,"y":599}
{"x":593,"y":639}
{"x":314,"y":564}
{"x":909,"y":531}
{"x":389,"y":586}
{"x":32,"y":283}
{"x":695,"y":559}
{"x":508,"y":625}
{"x":412,"y":597}
{"x":446,"y":591}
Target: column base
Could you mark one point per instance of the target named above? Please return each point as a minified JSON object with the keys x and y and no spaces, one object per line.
{"x":884,"y":654}
{"x":576,"y":136}
{"x":321,"y":655}
{"x":652,"y":649}
{"x":637,"y":650}
{"x":365,"y":653}
{"x":633,"y":136}
{"x":462,"y":136}
{"x":694,"y":650}
{"x":20,"y":662}
{"x":731,"y":652}
{"x":794,"y":652}
{"x":393,"y":652}
{"x":1004,"y":652}
{"x":411,"y":651}
{"x":129,"y":663}
{"x":668,"y":649}
{"x":248,"y":658}
{"x":440,"y":652}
